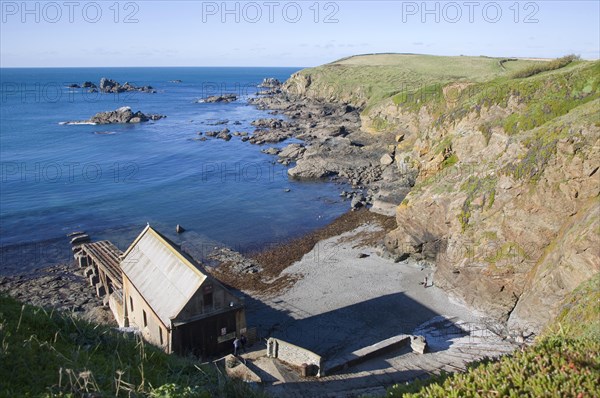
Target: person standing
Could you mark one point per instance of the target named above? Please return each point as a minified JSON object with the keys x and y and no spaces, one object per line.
{"x":243,"y":341}
{"x":236,"y":346}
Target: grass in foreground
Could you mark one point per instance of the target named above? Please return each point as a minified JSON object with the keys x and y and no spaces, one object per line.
{"x":564,"y":361}
{"x":51,"y":354}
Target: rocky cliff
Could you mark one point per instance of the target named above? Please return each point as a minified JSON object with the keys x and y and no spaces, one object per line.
{"x":506,"y":196}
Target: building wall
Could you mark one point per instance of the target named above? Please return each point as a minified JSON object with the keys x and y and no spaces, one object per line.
{"x":210,"y":335}
{"x":150,"y":325}
{"x":198,"y":304}
{"x":115,"y":303}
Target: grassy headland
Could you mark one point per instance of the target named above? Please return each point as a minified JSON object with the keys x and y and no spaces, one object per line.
{"x":365,"y":80}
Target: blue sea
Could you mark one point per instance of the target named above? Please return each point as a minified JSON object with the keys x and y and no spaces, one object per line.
{"x":110,"y":180}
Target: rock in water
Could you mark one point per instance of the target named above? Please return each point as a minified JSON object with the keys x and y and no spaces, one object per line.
{"x":270,"y":82}
{"x":226,"y":98}
{"x":270,"y":151}
{"x":224,"y":135}
{"x":108,"y":85}
{"x":121,"y":115}
{"x":357,"y":202}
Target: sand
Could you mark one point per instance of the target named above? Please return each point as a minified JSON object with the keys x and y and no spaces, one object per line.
{"x":342,"y":301}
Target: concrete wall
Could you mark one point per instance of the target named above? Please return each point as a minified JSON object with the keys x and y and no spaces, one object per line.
{"x":293,"y":354}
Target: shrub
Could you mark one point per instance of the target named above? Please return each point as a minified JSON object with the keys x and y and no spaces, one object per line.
{"x":539,"y":68}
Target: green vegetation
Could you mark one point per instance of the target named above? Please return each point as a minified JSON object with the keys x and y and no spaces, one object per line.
{"x":450,"y":161}
{"x":509,"y":250}
{"x":368,"y":79}
{"x":541,"y":143}
{"x":476,"y":187}
{"x":563,"y":362}
{"x":52,"y":354}
{"x":552,"y":65}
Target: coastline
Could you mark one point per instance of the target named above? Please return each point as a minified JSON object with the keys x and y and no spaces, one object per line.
{"x":59,"y":287}
{"x":332,"y":147}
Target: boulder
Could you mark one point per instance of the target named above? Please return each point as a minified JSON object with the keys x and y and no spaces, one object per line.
{"x":357,"y":202}
{"x":386,"y":160}
{"x":292,"y":151}
{"x":418,"y":344}
{"x":224,"y":135}
{"x":270,"y":151}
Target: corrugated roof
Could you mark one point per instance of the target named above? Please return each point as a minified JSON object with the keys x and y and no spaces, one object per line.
{"x":161,"y":273}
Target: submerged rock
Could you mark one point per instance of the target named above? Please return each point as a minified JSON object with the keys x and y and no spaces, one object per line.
{"x":226,"y":98}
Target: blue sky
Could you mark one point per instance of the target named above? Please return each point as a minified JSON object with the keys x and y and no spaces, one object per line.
{"x":286,"y":33}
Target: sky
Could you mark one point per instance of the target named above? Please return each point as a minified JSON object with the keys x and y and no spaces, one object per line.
{"x":72,"y":33}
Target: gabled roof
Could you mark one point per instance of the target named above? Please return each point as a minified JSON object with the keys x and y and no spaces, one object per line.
{"x":163,"y":275}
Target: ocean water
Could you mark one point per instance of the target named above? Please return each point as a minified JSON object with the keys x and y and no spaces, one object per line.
{"x":111,"y":180}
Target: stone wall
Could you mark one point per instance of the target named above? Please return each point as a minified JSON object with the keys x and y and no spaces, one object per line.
{"x":293,"y":354}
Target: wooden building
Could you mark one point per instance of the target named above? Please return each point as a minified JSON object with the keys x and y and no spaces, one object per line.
{"x":171,"y":300}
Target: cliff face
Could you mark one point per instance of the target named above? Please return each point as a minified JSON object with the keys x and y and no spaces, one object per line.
{"x":506,"y":202}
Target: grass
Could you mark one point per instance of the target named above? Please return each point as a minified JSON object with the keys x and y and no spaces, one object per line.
{"x":368,"y":79}
{"x":563,"y":362}
{"x":51,"y":354}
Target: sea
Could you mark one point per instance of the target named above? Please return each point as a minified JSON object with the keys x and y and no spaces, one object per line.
{"x":112,"y":180}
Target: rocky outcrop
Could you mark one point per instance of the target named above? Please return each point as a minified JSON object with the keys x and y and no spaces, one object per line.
{"x":225,"y":98}
{"x":498,"y":188}
{"x":114,"y":87}
{"x":270,"y":82}
{"x":59,"y":287}
{"x":572,"y":258}
{"x":507,"y":220}
{"x":272,"y":86}
{"x":222,"y":134}
{"x":121,"y":115}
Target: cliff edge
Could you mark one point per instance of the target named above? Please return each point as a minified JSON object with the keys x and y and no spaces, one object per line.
{"x":505,"y":156}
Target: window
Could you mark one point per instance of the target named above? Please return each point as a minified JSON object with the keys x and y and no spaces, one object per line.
{"x":145,"y":318}
{"x":160,"y":335}
{"x":131,"y":303}
{"x":208,"y":299}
